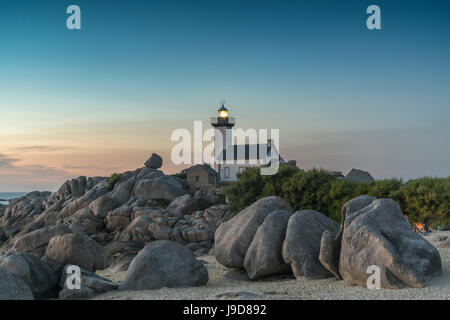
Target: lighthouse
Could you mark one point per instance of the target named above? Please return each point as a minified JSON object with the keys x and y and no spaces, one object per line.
{"x":230,"y":158}
{"x":223,"y":125}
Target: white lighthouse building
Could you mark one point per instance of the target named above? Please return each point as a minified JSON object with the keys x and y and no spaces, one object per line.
{"x":231,"y":158}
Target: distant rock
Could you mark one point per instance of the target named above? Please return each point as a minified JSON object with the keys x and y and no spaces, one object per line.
{"x":356,"y":175}
{"x":378,"y":234}
{"x":233,"y":238}
{"x":164,"y":264}
{"x":206,"y":195}
{"x":154,"y":162}
{"x":84,"y":221}
{"x":38,"y":238}
{"x":166,"y":188}
{"x":137,"y":231}
{"x":122,"y":191}
{"x":184,"y":204}
{"x":119,"y":219}
{"x":102,"y":205}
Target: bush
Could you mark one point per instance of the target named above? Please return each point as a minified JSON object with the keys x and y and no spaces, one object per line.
{"x":182,"y":178}
{"x":115,"y":177}
{"x":425,"y":200}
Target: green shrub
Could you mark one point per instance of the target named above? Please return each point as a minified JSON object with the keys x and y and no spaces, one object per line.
{"x":113,"y":180}
{"x":182,"y":178}
{"x":425,"y":200}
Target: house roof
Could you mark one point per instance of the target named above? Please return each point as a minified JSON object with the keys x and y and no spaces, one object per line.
{"x":207,"y":168}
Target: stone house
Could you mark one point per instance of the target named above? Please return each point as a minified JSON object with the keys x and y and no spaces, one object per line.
{"x":201,"y":176}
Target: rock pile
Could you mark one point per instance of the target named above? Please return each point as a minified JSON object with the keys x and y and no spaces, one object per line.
{"x":94,"y":224}
{"x":267,"y":238}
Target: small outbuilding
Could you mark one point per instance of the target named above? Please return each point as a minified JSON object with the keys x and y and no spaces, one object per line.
{"x":201,"y":176}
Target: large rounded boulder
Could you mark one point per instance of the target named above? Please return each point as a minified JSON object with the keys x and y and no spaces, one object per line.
{"x":164,"y":263}
{"x":185,"y":204}
{"x":301,"y":247}
{"x":264,"y":256}
{"x":76,"y":249}
{"x":12,"y":287}
{"x":154,"y":162}
{"x":330,"y":245}
{"x":379,"y":235}
{"x":233,"y":238}
{"x":37,"y":274}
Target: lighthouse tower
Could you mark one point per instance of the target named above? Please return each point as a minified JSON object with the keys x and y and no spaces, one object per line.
{"x":222,"y":134}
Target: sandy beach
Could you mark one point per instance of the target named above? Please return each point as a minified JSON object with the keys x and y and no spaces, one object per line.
{"x":223,"y":280}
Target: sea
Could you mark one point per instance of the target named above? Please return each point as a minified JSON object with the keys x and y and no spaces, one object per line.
{"x":6,"y":196}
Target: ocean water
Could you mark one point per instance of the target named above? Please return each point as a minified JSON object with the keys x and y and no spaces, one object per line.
{"x":5,"y":196}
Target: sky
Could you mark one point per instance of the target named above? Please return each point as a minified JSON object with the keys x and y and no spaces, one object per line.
{"x":101,"y":99}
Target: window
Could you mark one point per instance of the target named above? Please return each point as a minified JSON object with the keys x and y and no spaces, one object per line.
{"x":227,"y":172}
{"x":241,"y":169}
{"x":197,"y":179}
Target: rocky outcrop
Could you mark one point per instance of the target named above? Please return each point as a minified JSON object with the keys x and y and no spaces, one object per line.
{"x":95,"y":225}
{"x":23,"y":211}
{"x":301,"y":247}
{"x":164,"y":264}
{"x":233,"y":238}
{"x":76,"y":204}
{"x":379,"y":235}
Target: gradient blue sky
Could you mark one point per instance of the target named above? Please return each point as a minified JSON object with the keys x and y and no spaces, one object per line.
{"x":99,"y":100}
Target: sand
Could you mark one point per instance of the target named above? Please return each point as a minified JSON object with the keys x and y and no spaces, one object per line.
{"x":223,"y":280}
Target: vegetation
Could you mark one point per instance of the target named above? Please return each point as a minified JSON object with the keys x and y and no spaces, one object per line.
{"x":115,"y":177}
{"x":182,"y":177}
{"x":425,"y":200}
